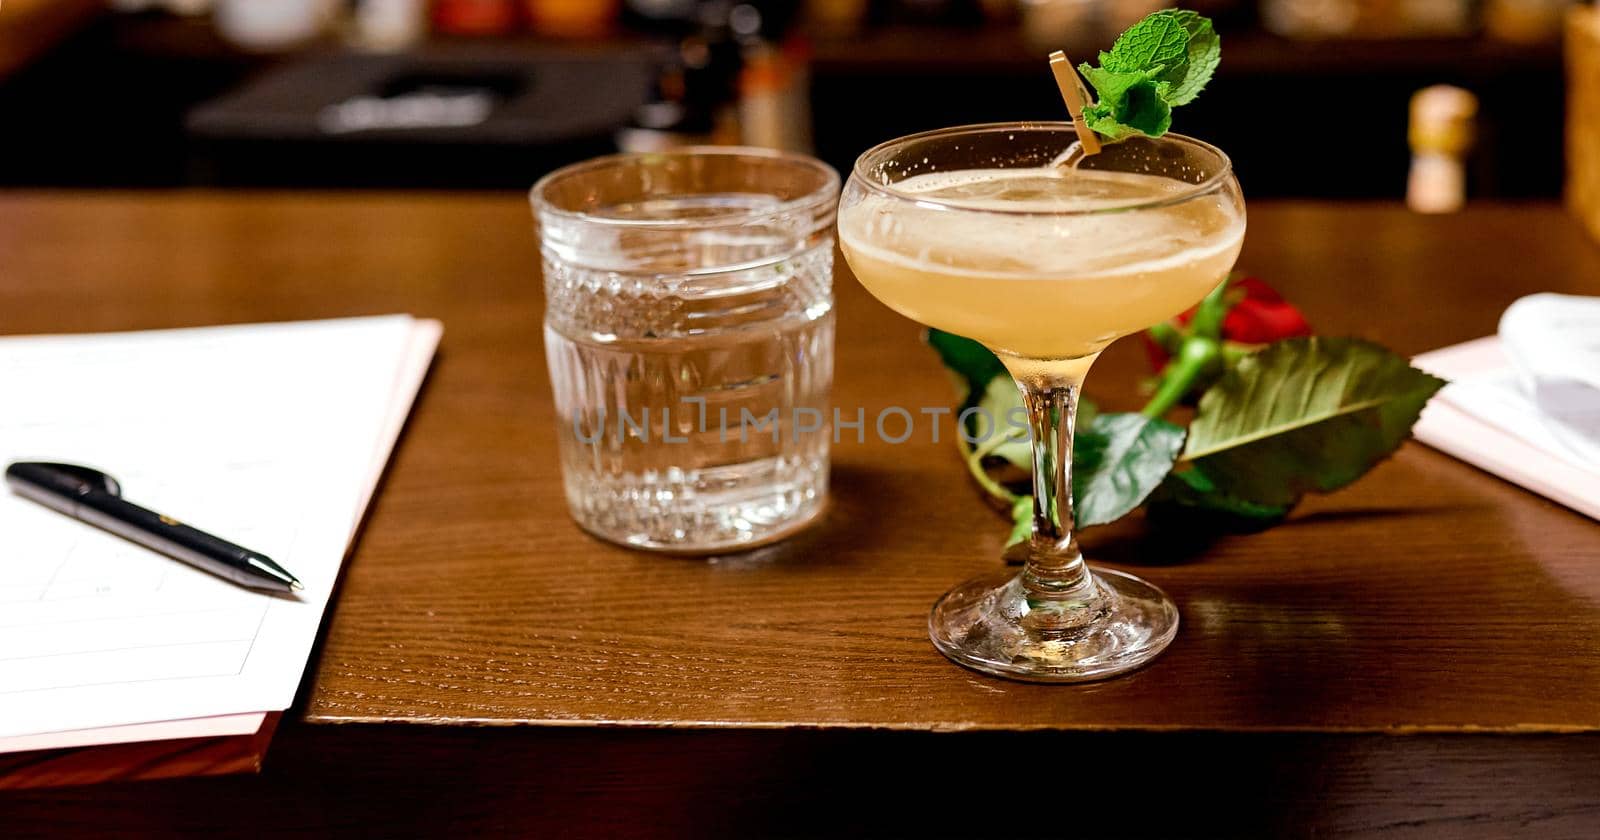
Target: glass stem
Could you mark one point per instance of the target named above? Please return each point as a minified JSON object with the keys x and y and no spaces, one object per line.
{"x":1055,"y":579}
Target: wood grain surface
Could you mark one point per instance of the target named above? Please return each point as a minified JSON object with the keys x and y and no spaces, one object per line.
{"x":1429,"y":597}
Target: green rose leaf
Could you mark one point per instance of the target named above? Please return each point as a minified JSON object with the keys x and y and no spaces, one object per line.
{"x":1002,"y":403}
{"x":1021,"y":521}
{"x":1193,"y":492}
{"x":1118,"y":458}
{"x":1088,"y":415}
{"x":1119,"y":463}
{"x":982,"y":381}
{"x":1304,"y":414}
{"x":972,"y":363}
{"x":1000,"y":400}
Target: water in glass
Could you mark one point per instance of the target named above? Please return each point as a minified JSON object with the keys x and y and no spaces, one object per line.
{"x":691,"y":364}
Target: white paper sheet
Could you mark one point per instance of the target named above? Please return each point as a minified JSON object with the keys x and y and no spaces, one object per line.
{"x":271,"y":436}
{"x":221,"y":726}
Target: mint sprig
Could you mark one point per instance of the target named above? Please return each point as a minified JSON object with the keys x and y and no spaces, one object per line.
{"x":1160,"y":62}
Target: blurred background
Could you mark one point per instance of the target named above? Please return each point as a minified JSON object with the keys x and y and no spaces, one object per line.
{"x":1314,"y":98}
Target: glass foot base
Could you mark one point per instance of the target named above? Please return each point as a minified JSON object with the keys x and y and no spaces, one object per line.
{"x":988,"y":625}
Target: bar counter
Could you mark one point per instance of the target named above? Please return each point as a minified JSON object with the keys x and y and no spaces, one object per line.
{"x":1417,"y":654}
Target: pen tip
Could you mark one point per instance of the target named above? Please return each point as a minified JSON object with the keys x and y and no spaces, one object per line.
{"x":296,"y":586}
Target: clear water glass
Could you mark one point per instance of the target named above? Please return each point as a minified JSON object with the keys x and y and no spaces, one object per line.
{"x":689,"y":333}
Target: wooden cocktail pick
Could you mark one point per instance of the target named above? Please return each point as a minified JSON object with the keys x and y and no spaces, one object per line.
{"x":1077,"y":99}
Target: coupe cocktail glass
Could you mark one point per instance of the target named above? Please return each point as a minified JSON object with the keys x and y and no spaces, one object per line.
{"x":1001,"y":234}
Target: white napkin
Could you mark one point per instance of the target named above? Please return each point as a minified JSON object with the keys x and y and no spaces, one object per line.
{"x":1525,"y":404}
{"x":1553,"y":341}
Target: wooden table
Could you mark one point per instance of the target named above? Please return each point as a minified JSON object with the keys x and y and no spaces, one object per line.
{"x":1419,"y":653}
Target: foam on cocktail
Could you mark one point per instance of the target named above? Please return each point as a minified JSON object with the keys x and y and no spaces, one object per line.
{"x":1043,"y":263}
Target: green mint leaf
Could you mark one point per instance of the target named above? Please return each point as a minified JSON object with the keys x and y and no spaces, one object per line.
{"x":1103,"y":122}
{"x":1305,"y":414}
{"x":1162,"y":61}
{"x":1143,"y":109}
{"x":1111,"y":85}
{"x":1129,"y":103}
{"x":1119,"y":463}
{"x":1159,"y":38}
{"x":1203,"y":54}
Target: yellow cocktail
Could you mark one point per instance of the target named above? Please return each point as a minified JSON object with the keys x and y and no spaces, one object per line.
{"x":1000,"y":233}
{"x":1025,"y":279}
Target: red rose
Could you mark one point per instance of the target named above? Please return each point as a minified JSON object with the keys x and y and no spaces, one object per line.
{"x":1257,"y":314}
{"x":1261,"y":316}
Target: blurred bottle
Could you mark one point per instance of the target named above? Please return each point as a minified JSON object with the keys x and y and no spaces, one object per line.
{"x":1440,"y":135}
{"x":688,"y":17}
{"x":932,"y":12}
{"x":1080,"y":25}
{"x":1056,"y":24}
{"x":662,"y":125}
{"x":1524,"y":21}
{"x":775,"y":76}
{"x":1368,"y":18}
{"x":712,"y":62}
{"x":731,"y":82}
{"x":388,"y":25}
{"x":836,"y":18}
{"x":573,"y":18}
{"x":675,"y":17}
{"x":775,"y":97}
{"x":183,"y":8}
{"x":473,"y":17}
{"x":999,"y":11}
{"x":698,"y":92}
{"x":272,"y":26}
{"x":1582,"y":53}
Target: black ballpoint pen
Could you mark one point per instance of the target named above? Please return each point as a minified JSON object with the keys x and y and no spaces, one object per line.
{"x":92,"y":496}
